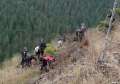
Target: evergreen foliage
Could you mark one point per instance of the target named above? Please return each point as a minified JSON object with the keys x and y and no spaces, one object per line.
{"x":23,"y":22}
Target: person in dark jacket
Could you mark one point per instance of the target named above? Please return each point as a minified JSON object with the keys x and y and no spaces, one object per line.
{"x":24,"y":55}
{"x":42,"y":47}
{"x":39,"y":50}
{"x":77,"y":31}
{"x":80,"y":32}
{"x":44,"y":64}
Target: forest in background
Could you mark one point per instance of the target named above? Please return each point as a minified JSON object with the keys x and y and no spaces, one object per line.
{"x":24,"y":22}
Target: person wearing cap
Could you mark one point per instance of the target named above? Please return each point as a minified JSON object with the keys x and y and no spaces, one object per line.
{"x":80,"y":32}
{"x":24,"y":55}
{"x":42,"y":47}
{"x":83,"y":29}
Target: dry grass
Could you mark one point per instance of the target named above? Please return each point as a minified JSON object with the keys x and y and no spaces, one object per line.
{"x":10,"y":74}
{"x":82,"y":71}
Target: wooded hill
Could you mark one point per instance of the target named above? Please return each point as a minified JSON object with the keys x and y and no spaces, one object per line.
{"x":23,"y":22}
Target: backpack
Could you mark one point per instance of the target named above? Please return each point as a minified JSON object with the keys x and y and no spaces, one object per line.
{"x":37,"y":48}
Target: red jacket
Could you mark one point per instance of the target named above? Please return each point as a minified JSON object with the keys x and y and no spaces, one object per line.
{"x":49,"y":58}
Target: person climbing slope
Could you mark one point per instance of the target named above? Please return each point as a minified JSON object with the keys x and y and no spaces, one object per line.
{"x":42,"y":47}
{"x":47,"y":61}
{"x":77,"y":32}
{"x":60,"y":43}
{"x":37,"y":52}
{"x":24,"y":54}
{"x":82,"y":31}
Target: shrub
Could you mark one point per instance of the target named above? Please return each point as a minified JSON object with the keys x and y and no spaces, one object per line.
{"x":102,"y":26}
{"x":117,"y":11}
{"x":51,"y":50}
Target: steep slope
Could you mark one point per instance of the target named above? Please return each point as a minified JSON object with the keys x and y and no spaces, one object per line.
{"x":80,"y":66}
{"x":77,"y":65}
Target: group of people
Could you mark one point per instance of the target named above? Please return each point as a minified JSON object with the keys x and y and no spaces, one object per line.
{"x":39,"y":51}
{"x":39,"y":56}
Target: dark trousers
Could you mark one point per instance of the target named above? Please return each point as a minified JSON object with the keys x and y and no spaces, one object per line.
{"x":40,"y":55}
{"x":42,"y":52}
{"x":25,"y":62}
{"x":79,"y":36}
{"x":44,"y":65}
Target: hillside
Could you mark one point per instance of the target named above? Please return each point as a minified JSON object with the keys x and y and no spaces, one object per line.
{"x":77,"y":66}
{"x":24,"y":22}
{"x":84,"y":69}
